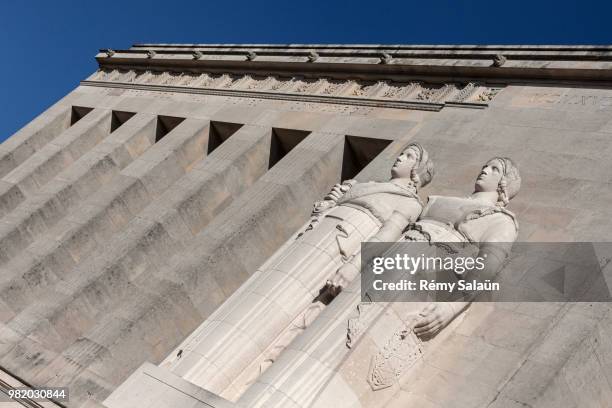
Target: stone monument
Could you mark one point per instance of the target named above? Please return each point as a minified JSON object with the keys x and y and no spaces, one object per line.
{"x":279,"y":296}
{"x":141,"y":205}
{"x":393,"y":336}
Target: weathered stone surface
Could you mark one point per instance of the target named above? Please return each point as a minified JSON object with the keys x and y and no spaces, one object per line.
{"x":115,"y":247}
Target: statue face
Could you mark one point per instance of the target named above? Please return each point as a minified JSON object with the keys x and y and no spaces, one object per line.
{"x":404,"y":163}
{"x":489,"y":176}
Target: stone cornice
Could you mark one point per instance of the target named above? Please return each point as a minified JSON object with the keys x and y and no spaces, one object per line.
{"x":401,"y":77}
{"x":591,"y":64}
{"x":384,"y":94}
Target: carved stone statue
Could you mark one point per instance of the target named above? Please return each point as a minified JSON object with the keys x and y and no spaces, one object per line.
{"x":392,"y":336}
{"x":479,"y":218}
{"x":251,"y":328}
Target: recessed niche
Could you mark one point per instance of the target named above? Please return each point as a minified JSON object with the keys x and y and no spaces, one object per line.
{"x":165,"y":124}
{"x":359,"y":152}
{"x":78,"y":112}
{"x":283,"y":141}
{"x":118,"y":118}
{"x":219,"y":132}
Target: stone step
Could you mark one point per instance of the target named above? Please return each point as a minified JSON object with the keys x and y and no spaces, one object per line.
{"x":111,"y":332}
{"x":31,"y":357}
{"x":8,"y":382}
{"x":32,"y":137}
{"x":52,"y":158}
{"x":222,"y":253}
{"x":106,"y":212}
{"x":36,"y":215}
{"x":85,"y":230}
{"x":151,"y":238}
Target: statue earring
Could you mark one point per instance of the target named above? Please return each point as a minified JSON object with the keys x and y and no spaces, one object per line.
{"x":414,"y":177}
{"x":502,"y":192}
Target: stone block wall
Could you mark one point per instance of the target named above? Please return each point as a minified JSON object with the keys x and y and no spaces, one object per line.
{"x":120,"y":234}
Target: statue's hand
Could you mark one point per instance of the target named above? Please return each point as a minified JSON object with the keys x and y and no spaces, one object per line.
{"x":338,"y":190}
{"x":433,"y":318}
{"x":335,"y":193}
{"x":321,"y":206}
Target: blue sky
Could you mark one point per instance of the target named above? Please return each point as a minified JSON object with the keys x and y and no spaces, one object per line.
{"x":47,"y":47}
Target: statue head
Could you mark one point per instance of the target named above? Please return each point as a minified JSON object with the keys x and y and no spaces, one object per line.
{"x":414,"y":163}
{"x":501,"y":175}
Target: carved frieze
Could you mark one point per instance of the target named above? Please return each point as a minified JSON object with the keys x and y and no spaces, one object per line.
{"x":487,"y":94}
{"x":435,"y":93}
{"x":333,"y":87}
{"x":371,"y":92}
{"x":222,"y":81}
{"x":188,"y":79}
{"x":146,"y":77}
{"x":396,"y":90}
{"x":280,"y":84}
{"x":259,"y":83}
{"x":241,"y":82}
{"x":467,"y":91}
{"x":300,"y":85}
{"x":204,"y":80}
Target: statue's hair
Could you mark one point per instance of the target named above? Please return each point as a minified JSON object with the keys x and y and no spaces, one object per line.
{"x":510,"y":182}
{"x":423,"y":172}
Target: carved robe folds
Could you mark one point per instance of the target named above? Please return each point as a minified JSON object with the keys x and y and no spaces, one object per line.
{"x":355,"y":354}
{"x":237,"y":342}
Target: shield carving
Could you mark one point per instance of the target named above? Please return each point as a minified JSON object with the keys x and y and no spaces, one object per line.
{"x":401,"y":352}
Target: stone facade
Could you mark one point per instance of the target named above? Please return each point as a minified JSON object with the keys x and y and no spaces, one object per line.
{"x":134,"y":207}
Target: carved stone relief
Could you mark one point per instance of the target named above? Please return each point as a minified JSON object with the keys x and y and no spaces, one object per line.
{"x":466,"y":92}
{"x":396,"y":90}
{"x":332,"y":87}
{"x":401,"y":352}
{"x":357,"y":324}
{"x":487,"y":94}
{"x":382,"y":90}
